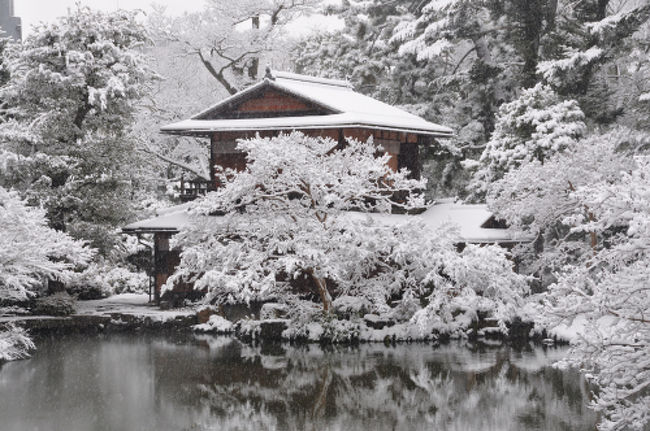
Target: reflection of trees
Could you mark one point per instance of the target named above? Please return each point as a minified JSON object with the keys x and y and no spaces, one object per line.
{"x":166,"y":383}
{"x":407,"y":387}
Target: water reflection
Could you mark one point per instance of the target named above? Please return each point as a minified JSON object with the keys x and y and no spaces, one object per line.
{"x":144,"y":383}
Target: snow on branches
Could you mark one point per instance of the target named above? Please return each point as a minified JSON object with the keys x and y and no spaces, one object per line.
{"x":86,"y":67}
{"x":539,"y":198}
{"x":434,"y":32}
{"x":14,"y":343}
{"x":74,"y":87}
{"x":30,"y":251}
{"x":532,"y":127}
{"x":612,"y":291}
{"x":308,"y":217}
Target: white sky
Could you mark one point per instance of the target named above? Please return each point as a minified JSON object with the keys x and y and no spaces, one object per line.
{"x":34,"y":11}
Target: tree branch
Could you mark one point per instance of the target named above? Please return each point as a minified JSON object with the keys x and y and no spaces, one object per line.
{"x":147,"y":150}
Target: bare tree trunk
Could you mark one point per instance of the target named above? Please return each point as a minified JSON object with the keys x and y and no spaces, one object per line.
{"x":254,"y":67}
{"x":184,"y":166}
{"x":325,"y":297}
{"x":219,"y":76}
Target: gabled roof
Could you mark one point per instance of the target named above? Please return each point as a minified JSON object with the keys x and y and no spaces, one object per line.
{"x":346,"y":108}
{"x":468,"y":218}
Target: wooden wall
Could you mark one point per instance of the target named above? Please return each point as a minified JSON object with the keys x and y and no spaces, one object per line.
{"x":273,"y":101}
{"x":402,"y":147}
{"x":266,"y":103}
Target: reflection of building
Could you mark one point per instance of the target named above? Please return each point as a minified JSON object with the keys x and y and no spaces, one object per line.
{"x":9,"y":23}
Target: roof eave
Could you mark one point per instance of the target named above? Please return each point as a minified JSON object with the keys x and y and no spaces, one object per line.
{"x":148,"y":230}
{"x":209,"y":131}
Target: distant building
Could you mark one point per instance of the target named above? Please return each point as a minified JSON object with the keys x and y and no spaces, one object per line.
{"x":10,"y":25}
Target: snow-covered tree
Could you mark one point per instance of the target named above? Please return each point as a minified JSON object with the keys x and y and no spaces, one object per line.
{"x":232,"y":40}
{"x":533,"y":127}
{"x":611,"y":291}
{"x":595,"y":32}
{"x":538,"y":198}
{"x":73,"y":89}
{"x":466,"y":34}
{"x":590,"y":55}
{"x":440,"y":88}
{"x":30,"y":252}
{"x":14,"y":343}
{"x":284,"y":215}
{"x":307,"y":217}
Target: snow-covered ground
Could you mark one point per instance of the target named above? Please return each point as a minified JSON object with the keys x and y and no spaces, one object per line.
{"x":135,"y":304}
{"x":130,"y":304}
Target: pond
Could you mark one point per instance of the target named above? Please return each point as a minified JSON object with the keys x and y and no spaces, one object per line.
{"x":144,"y":382}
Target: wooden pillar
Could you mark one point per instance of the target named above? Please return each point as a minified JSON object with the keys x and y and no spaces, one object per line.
{"x":162,"y":271}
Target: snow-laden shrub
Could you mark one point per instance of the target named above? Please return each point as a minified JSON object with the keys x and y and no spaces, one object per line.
{"x":322,"y":327}
{"x":14,"y":343}
{"x":59,"y":304}
{"x":103,"y":280}
{"x":272,"y":310}
{"x":249,"y":328}
{"x":215,"y":324}
{"x":404,"y":309}
{"x":480,"y":280}
{"x":347,"y":306}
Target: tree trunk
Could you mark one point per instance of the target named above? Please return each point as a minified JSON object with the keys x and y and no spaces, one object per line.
{"x":253,"y":69}
{"x":219,"y":76}
{"x":325,"y":296}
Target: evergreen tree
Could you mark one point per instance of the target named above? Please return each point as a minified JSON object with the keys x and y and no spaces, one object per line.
{"x":73,"y":89}
{"x":533,"y":127}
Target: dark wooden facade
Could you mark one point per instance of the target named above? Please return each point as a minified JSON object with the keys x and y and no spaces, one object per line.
{"x":402,"y":147}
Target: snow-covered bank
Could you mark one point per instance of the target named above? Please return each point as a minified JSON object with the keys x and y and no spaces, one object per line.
{"x":134,"y":312}
{"x":129,"y":311}
{"x":334,"y":331}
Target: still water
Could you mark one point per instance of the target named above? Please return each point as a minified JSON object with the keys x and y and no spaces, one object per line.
{"x":117,"y":382}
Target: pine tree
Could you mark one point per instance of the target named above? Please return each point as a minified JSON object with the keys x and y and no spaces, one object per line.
{"x":533,"y":127}
{"x":73,"y":89}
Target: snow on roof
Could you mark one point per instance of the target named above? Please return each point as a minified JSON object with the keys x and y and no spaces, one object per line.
{"x":170,"y":219}
{"x":468,"y":218}
{"x":350,"y":109}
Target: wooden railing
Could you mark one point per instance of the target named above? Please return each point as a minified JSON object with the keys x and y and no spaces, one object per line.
{"x":192,"y":189}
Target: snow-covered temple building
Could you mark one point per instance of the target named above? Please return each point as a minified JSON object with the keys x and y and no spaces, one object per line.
{"x":284,"y":102}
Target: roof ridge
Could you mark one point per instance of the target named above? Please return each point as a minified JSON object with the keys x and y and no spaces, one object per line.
{"x":290,"y":76}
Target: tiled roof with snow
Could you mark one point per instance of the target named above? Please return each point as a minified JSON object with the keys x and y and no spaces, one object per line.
{"x":468,"y":218}
{"x":349,"y":109}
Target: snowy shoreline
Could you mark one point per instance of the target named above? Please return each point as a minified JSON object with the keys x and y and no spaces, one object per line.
{"x":132,"y":312}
